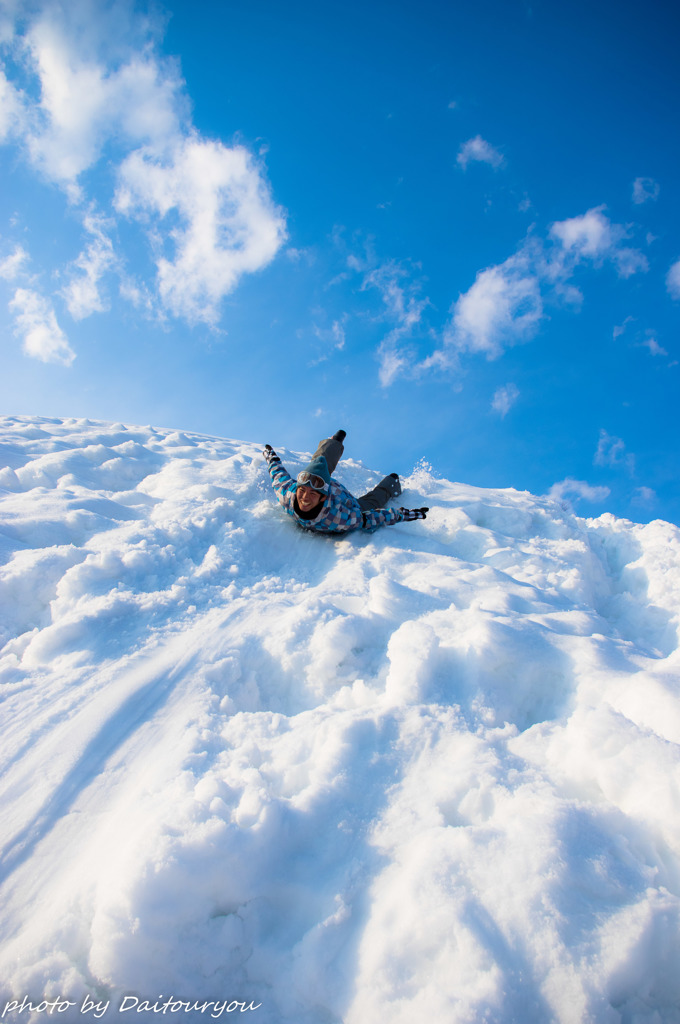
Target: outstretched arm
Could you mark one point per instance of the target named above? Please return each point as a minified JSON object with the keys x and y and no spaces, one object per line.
{"x":409,"y":514}
{"x":282,"y":481}
{"x":270,"y":455}
{"x":389,"y":516}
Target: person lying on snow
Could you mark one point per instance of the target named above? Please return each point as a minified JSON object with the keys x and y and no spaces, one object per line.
{"x":317,"y":502}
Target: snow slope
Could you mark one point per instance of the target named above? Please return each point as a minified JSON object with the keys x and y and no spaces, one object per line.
{"x":431,"y":773}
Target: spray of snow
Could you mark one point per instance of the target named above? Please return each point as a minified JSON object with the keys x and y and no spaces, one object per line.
{"x":430,"y":774}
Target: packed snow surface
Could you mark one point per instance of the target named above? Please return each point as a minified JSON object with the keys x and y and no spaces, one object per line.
{"x":430,"y":773}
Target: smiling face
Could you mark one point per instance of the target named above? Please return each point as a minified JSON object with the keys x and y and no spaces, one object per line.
{"x":307,"y":498}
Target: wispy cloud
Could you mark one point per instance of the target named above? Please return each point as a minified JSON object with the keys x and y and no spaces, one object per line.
{"x":82,"y":293}
{"x":504,"y":399}
{"x":673,"y":281}
{"x":571,"y":490}
{"x":650,"y":342}
{"x":611,"y":451}
{"x":403,"y":307}
{"x":478,"y":150}
{"x":629,"y":261}
{"x":398,"y":291}
{"x":654,"y":347}
{"x":644,"y":496}
{"x":332,"y":339}
{"x":35,"y":320}
{"x":10,"y":108}
{"x":644,"y":190}
{"x":13,"y":265}
{"x":36,"y":323}
{"x":620,"y":329}
{"x":7,"y":20}
{"x":505,"y":305}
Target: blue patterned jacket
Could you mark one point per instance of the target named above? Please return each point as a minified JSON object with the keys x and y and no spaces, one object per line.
{"x":340,"y":511}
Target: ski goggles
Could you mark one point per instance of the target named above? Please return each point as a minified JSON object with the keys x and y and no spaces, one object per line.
{"x":317,"y":483}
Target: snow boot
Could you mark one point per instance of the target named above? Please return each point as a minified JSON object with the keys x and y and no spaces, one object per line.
{"x":339,"y":435}
{"x":396,"y":490}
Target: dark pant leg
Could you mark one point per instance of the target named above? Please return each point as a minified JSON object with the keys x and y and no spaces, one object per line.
{"x":332,"y":450}
{"x":380,"y":495}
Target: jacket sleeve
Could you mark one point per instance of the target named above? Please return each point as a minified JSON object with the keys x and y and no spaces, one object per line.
{"x":282,"y":481}
{"x":381,"y":517}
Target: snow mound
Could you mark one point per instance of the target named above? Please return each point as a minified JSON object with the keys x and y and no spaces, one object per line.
{"x":430,"y":773}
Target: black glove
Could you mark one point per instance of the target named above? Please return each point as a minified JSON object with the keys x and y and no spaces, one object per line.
{"x":413,"y":513}
{"x":270,"y":455}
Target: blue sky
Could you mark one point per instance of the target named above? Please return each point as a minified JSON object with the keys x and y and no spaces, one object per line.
{"x":451,"y":229}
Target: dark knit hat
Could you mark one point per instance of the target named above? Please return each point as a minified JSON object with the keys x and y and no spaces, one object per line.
{"x":319,"y":467}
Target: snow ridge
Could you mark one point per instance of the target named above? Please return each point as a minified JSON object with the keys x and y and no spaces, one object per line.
{"x":430,"y":773}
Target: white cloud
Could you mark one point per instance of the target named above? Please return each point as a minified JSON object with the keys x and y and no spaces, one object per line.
{"x":571,"y":489}
{"x":644,"y":496}
{"x":394,"y":362}
{"x":82,"y":293}
{"x":35,"y":319}
{"x":84,"y":103}
{"x":403,"y":308}
{"x":504,"y":399}
{"x":505,"y":304}
{"x":629,"y":261}
{"x":478,"y":150}
{"x":654,"y":347}
{"x":502,"y":307}
{"x":673,"y":281}
{"x":645,"y":189}
{"x":10,"y":108}
{"x":12,"y":266}
{"x":69,"y":124}
{"x":338,"y":335}
{"x":402,"y":302}
{"x":611,"y":451}
{"x":620,"y":329}
{"x":333,"y":337}
{"x":593,"y":236}
{"x":224,"y":223}
{"x":8,"y":12}
{"x":96,"y":86}
{"x":141,"y":297}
